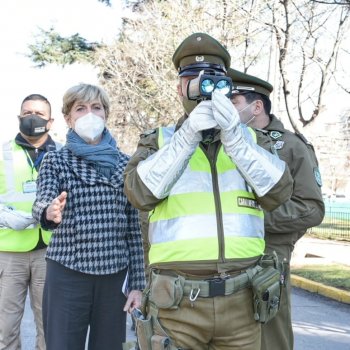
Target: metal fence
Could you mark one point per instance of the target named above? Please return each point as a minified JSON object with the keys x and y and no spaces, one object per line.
{"x":335,"y":225}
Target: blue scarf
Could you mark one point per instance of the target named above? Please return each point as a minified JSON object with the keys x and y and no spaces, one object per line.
{"x":103,"y":156}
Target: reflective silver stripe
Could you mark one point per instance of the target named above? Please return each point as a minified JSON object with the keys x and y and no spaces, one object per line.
{"x":202,"y":182}
{"x":9,"y":170}
{"x":11,"y":196}
{"x":231,"y":180}
{"x":14,"y":197}
{"x":243,"y":225}
{"x":201,"y":226}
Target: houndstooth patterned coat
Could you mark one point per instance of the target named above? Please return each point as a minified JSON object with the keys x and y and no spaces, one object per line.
{"x":99,"y":233}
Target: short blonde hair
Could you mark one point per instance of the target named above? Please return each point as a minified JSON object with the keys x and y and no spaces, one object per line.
{"x":84,"y":93}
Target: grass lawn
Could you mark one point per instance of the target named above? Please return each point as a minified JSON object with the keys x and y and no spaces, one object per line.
{"x":333,"y":275}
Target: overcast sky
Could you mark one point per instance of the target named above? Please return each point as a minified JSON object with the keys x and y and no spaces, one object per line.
{"x":19,"y":22}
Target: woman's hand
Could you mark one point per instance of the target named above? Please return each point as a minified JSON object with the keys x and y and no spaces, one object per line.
{"x":133,"y":301}
{"x":55,"y":209}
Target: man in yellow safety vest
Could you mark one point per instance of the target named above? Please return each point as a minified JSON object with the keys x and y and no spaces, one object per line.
{"x":22,"y":242}
{"x":205,"y":191}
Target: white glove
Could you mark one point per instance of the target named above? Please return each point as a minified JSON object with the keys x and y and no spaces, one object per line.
{"x":260,"y":169}
{"x":201,"y":118}
{"x":162,"y":169}
{"x":15,"y":219}
{"x":226,"y":115}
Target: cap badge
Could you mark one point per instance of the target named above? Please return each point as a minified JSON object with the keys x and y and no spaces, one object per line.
{"x":275,"y":135}
{"x":250,"y":88}
{"x":199,"y":58}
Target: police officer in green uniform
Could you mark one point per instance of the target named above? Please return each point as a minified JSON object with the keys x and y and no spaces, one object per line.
{"x":22,"y":242}
{"x":206,"y":221}
{"x":305,"y":209}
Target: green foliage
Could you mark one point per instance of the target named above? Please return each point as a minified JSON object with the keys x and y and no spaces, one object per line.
{"x":50,"y":47}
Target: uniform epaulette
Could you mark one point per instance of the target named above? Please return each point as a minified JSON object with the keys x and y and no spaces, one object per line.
{"x":306,"y":141}
{"x":262,"y":130}
{"x":303,"y":138}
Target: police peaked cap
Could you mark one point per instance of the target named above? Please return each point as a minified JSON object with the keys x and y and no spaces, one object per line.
{"x":200,"y":51}
{"x":243,"y":83}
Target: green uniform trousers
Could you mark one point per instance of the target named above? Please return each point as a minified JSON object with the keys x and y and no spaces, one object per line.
{"x":218,"y":323}
{"x":277,"y":334}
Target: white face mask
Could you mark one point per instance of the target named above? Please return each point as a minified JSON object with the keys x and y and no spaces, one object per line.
{"x":89,"y":127}
{"x":243,"y":109}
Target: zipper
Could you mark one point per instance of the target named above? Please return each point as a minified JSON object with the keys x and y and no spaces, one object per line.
{"x":212,"y":157}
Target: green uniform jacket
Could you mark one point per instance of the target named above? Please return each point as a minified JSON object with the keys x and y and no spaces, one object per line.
{"x":305,"y":209}
{"x":141,"y":197}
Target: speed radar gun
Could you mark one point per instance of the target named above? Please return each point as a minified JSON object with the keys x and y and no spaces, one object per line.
{"x":201,"y":88}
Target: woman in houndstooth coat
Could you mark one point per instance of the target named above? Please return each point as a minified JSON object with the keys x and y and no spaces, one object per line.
{"x":95,"y":268}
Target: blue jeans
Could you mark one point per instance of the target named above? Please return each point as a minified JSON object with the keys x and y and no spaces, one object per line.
{"x":74,"y":302}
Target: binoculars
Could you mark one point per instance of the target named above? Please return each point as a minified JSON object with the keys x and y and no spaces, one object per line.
{"x":201,"y":88}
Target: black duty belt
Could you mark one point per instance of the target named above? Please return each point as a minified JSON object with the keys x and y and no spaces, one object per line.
{"x":218,"y":286}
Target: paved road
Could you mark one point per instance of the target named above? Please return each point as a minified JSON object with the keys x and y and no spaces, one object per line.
{"x":319,"y":323}
{"x":310,"y":250}
{"x":28,"y":329}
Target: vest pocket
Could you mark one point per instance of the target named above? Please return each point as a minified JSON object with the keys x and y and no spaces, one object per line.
{"x":166,"y":291}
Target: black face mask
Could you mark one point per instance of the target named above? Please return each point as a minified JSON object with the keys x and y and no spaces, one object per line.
{"x":33,"y":125}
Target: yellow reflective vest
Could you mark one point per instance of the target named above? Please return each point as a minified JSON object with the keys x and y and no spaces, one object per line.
{"x":211,"y":214}
{"x":15,"y":173}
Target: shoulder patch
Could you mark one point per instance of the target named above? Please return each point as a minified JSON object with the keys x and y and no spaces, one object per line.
{"x":318,"y":177}
{"x":148,"y":132}
{"x":275,"y":135}
{"x":278,"y":145}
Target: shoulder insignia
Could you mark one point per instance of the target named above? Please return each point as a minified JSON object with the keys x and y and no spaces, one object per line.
{"x":148,"y":132}
{"x":278,"y":145}
{"x":318,"y":177}
{"x":275,"y":135}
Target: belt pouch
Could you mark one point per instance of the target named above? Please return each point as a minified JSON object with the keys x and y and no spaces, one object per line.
{"x":144,"y":333}
{"x":266,"y":290}
{"x":159,"y":342}
{"x":166,"y":291}
{"x":130,"y":345}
